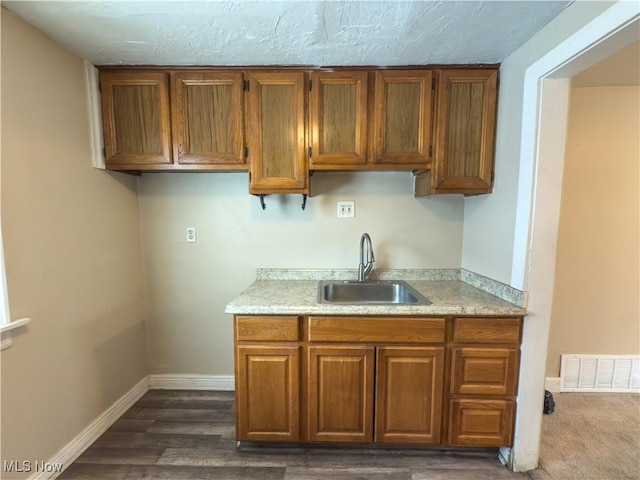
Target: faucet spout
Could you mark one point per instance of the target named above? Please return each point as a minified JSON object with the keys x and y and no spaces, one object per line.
{"x":366,"y":263}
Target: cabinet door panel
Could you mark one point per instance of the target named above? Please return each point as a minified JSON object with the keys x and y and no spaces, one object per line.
{"x":466,"y":129}
{"x":207,"y":116}
{"x":487,"y":423}
{"x":402,"y":117}
{"x":341,"y":394}
{"x":135,"y":119}
{"x":277,"y":133}
{"x":268,"y":393}
{"x":338,"y":118}
{"x":484,"y":371}
{"x":409,"y":394}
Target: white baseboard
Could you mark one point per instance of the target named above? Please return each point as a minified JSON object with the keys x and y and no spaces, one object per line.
{"x":180,"y":381}
{"x":79,"y":444}
{"x":552,"y":384}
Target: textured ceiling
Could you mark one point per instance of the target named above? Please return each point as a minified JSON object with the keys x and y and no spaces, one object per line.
{"x":235,"y":32}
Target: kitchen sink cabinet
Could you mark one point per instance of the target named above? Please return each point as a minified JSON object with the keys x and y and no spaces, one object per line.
{"x":277,"y":136}
{"x":387,"y":388}
{"x":207,"y":114}
{"x":340,"y":403}
{"x":465,"y":124}
{"x":267,"y":378}
{"x":484,"y":381}
{"x":136,"y":120}
{"x":409,"y":394}
{"x":377,"y":379}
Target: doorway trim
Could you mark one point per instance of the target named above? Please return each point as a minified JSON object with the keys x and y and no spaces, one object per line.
{"x":543,"y":136}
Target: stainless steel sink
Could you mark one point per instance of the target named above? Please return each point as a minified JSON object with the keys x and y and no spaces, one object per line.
{"x":389,"y":292}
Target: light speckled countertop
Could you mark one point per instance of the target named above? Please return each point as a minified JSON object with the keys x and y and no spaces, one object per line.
{"x":295,"y":292}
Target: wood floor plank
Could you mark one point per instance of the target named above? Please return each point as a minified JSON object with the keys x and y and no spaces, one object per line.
{"x":193,"y":428}
{"x":121,"y":455}
{"x":131,"y":425}
{"x":181,"y":415}
{"x":297,"y":473}
{"x":131,"y":472}
{"x":145,"y":440}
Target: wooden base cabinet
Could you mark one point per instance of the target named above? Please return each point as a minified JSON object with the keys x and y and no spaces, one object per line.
{"x":409,"y":394}
{"x":481,"y":422}
{"x":386,"y":380}
{"x":484,"y":380}
{"x":268,"y":393}
{"x":341,"y":393}
{"x":267,"y":378}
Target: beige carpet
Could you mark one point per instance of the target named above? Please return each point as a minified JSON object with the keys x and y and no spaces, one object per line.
{"x":591,"y":436}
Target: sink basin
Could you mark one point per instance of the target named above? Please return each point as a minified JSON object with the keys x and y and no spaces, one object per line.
{"x":389,"y":292}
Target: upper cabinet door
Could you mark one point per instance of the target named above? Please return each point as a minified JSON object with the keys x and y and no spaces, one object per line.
{"x":207,"y":118}
{"x":338,"y":118}
{"x":135,"y":119}
{"x":465,"y":119}
{"x":402,"y":119}
{"x":276,"y":134}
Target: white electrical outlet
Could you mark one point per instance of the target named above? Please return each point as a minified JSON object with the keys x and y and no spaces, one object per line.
{"x":191,"y":235}
{"x":347,"y":209}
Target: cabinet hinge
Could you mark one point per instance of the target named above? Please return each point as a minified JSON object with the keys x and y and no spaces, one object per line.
{"x":492,"y":175}
{"x":245,"y":85}
{"x":246,"y":152}
{"x":310,"y":84}
{"x":433,"y":83}
{"x":310,"y":151}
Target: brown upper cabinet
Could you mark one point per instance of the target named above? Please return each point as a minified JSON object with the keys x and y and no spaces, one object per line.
{"x":402,"y":117}
{"x":277,"y":142}
{"x":338,"y":119}
{"x":281,"y":123}
{"x":465,"y":131}
{"x":207,"y":117}
{"x":135,"y":119}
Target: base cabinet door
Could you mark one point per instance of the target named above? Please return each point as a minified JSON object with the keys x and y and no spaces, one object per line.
{"x":340,"y":393}
{"x":486,"y":423}
{"x":268,"y":393}
{"x":409,"y":395}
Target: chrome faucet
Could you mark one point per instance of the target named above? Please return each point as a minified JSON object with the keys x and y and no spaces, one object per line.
{"x":365,"y":268}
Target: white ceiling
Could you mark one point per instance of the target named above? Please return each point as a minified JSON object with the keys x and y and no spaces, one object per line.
{"x":295,"y":32}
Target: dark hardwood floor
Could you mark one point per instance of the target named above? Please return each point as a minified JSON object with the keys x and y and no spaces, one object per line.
{"x":171,"y":434}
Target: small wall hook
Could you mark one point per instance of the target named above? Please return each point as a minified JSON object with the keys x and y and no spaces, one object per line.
{"x":304,"y":200}
{"x":262,"y":204}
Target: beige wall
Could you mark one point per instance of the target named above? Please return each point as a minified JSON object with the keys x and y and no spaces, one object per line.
{"x":190,"y":284}
{"x":72,"y":248}
{"x":597,"y":290}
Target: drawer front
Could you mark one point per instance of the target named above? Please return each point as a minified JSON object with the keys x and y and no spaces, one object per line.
{"x":487,"y":330}
{"x":376,"y":329}
{"x":482,"y":423}
{"x":484,"y":371}
{"x":267,"y":328}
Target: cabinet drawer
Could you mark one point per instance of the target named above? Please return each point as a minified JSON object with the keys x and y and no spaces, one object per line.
{"x":487,"y":330}
{"x":376,"y":329}
{"x":267,"y":328}
{"x":484,"y":371}
{"x":486,"y":423}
